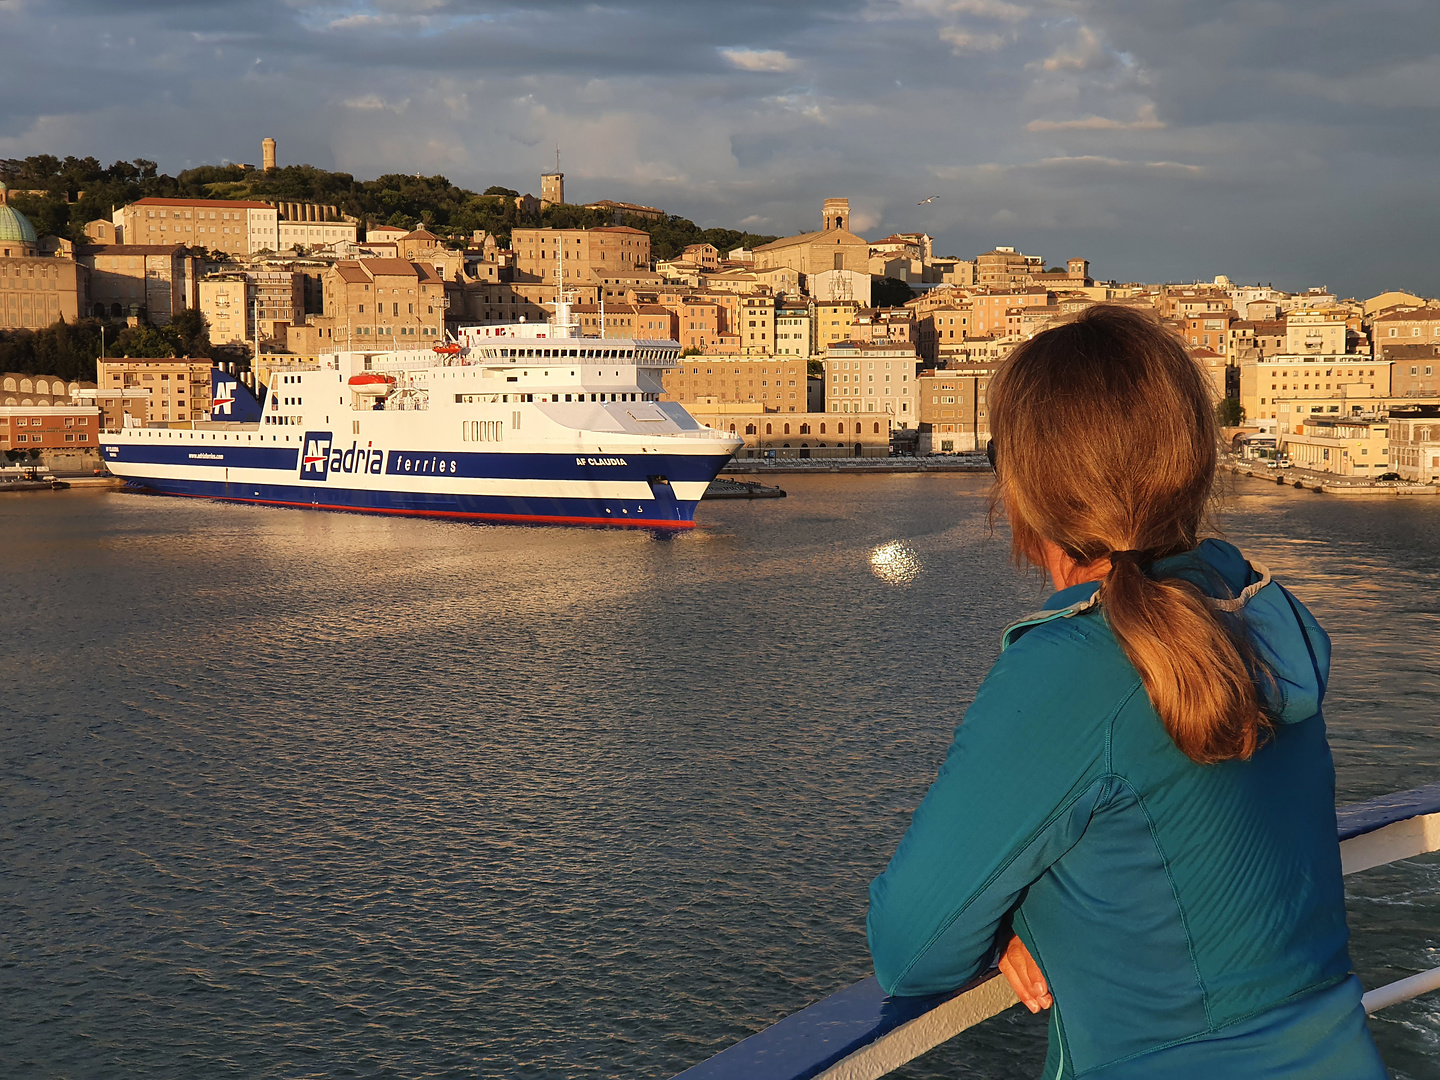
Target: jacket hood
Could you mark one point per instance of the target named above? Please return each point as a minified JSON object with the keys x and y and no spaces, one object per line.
{"x":1293,"y":647}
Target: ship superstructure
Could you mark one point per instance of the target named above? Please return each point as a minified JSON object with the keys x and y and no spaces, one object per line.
{"x":520,"y":422}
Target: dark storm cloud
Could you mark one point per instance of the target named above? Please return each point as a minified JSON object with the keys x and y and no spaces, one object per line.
{"x":1289,"y":140}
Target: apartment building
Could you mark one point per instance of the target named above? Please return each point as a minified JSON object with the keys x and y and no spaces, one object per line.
{"x":646,"y":321}
{"x":833,"y":320}
{"x":235,"y":303}
{"x":884,"y":324}
{"x":937,"y":327}
{"x":1312,"y":333}
{"x":953,"y":412}
{"x":179,"y":389}
{"x":759,"y":384}
{"x":991,"y":308}
{"x":1269,"y":388}
{"x":1407,"y":326}
{"x":1004,"y":269}
{"x":755,"y":323}
{"x":236,"y":227}
{"x":1413,"y":370}
{"x":1415,"y":442}
{"x":873,"y":378}
{"x":794,"y":325}
{"x":584,"y":255}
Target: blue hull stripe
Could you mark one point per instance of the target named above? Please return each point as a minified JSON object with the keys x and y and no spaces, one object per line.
{"x":354,"y":459}
{"x":664,"y":511}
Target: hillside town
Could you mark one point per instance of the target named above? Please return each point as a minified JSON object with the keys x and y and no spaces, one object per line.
{"x":822,"y":344}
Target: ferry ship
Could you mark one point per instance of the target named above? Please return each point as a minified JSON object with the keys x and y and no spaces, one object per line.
{"x":515,"y":423}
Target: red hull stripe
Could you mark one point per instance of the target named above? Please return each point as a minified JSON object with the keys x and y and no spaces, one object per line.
{"x":518,"y":519}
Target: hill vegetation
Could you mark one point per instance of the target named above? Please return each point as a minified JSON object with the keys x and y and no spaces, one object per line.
{"x":75,"y":190}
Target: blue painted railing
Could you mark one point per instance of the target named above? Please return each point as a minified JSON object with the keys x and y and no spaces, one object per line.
{"x":807,"y":1043}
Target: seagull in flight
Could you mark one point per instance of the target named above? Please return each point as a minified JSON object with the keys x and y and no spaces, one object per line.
{"x":929,"y":199}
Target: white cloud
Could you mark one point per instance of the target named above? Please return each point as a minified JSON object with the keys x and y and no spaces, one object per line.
{"x":1087,"y":53}
{"x":375,"y":103}
{"x":962,"y":41}
{"x":1145,"y":120}
{"x":758,"y":59}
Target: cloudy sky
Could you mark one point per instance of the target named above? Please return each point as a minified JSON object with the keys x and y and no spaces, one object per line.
{"x":1292,"y":141}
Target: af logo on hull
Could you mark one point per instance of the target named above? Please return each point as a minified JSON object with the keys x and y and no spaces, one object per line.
{"x":319,"y":457}
{"x":315,"y":455}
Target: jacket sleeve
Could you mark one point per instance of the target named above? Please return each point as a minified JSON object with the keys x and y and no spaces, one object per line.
{"x":1015,"y":793}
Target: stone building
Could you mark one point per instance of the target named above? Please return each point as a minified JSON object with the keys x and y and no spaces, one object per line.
{"x":233,"y":301}
{"x":154,"y":282}
{"x":20,"y":389}
{"x":877,"y":378}
{"x":37,"y":288}
{"x":833,"y":247}
{"x":237,"y":227}
{"x":795,"y":435}
{"x":953,"y":408}
{"x":382,"y":304}
{"x":588,"y":254}
{"x":756,"y":384}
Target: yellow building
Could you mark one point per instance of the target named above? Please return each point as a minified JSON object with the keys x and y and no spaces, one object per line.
{"x":802,"y":435}
{"x":179,"y":388}
{"x":760,"y":384}
{"x":1344,"y":446}
{"x":1268,"y":382}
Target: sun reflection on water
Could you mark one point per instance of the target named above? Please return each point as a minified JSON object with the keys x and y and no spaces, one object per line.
{"x":895,"y":563}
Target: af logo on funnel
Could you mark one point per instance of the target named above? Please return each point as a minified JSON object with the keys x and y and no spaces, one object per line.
{"x":315,"y":458}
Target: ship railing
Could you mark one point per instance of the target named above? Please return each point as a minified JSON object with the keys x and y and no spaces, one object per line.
{"x":859,"y":1033}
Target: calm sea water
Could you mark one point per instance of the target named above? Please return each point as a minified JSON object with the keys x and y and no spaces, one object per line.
{"x":296,"y":794}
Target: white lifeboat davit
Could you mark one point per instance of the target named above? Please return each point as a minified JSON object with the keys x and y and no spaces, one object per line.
{"x":372,"y":383}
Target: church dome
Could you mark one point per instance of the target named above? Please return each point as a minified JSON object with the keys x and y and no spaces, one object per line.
{"x":13,"y":224}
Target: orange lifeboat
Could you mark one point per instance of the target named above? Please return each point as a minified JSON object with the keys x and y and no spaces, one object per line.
{"x":448,"y":349}
{"x":372,"y":383}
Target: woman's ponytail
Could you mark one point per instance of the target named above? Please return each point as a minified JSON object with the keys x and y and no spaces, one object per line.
{"x":1104,"y":439}
{"x":1200,"y":675}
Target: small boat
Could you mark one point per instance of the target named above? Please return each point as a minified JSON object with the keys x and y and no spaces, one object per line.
{"x":448,"y":349}
{"x":371,"y":382}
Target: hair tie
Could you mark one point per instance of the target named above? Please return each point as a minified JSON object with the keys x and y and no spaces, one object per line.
{"x":1141,"y":559}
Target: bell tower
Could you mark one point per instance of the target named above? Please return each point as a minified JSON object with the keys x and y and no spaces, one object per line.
{"x":837,"y":215}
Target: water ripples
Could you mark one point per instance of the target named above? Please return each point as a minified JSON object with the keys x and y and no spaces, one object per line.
{"x":288,"y":793}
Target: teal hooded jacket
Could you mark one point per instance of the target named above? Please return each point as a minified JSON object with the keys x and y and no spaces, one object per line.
{"x":1189,"y":919}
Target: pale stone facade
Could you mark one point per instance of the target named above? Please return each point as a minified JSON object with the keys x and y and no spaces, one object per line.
{"x":758,"y":384}
{"x":1415,"y":442}
{"x":237,"y":227}
{"x":799,"y":435}
{"x":875,"y":379}
{"x":588,"y":254}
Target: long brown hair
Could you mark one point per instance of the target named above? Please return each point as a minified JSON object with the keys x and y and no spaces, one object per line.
{"x":1105,"y":445}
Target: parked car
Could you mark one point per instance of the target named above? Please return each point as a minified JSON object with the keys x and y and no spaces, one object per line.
{"x":1388,"y":476}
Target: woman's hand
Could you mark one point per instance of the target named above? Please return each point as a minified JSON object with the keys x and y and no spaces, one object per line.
{"x":1020,"y":968}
